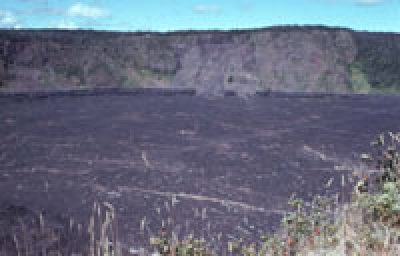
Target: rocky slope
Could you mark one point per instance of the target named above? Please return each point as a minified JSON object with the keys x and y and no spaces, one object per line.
{"x":311,"y":59}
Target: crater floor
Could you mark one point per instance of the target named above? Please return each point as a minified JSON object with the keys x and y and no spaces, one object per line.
{"x":222,"y":167}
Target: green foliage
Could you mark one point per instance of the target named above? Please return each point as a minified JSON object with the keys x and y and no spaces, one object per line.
{"x":359,"y":81}
{"x":379,"y":55}
{"x":101,"y":66}
{"x":129,"y":82}
{"x":74,"y":71}
{"x":165,"y":246}
{"x":149,"y":73}
{"x":386,"y":89}
{"x":385,"y":205}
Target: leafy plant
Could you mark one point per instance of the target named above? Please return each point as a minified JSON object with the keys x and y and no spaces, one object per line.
{"x":187,"y":247}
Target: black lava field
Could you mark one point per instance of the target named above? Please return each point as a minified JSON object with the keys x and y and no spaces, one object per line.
{"x":216,"y":167}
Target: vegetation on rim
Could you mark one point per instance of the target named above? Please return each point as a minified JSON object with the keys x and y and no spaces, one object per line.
{"x":292,"y":58}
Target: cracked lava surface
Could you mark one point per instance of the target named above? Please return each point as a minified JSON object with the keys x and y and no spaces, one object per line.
{"x":223,"y":166}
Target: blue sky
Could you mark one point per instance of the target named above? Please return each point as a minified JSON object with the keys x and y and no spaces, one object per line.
{"x":169,"y":15}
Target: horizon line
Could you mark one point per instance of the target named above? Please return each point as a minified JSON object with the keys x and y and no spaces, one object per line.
{"x":212,"y":30}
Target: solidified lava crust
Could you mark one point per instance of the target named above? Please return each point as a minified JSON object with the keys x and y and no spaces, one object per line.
{"x":228,"y":164}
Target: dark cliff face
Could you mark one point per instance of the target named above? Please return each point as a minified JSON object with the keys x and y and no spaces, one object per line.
{"x":280,"y":58}
{"x":378,"y":57}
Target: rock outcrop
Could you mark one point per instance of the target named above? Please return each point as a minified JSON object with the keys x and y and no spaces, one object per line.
{"x":306,"y":59}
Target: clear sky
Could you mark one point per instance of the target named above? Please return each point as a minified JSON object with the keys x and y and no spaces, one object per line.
{"x":169,"y":15}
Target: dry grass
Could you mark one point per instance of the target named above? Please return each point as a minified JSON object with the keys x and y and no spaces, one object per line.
{"x":33,"y":236}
